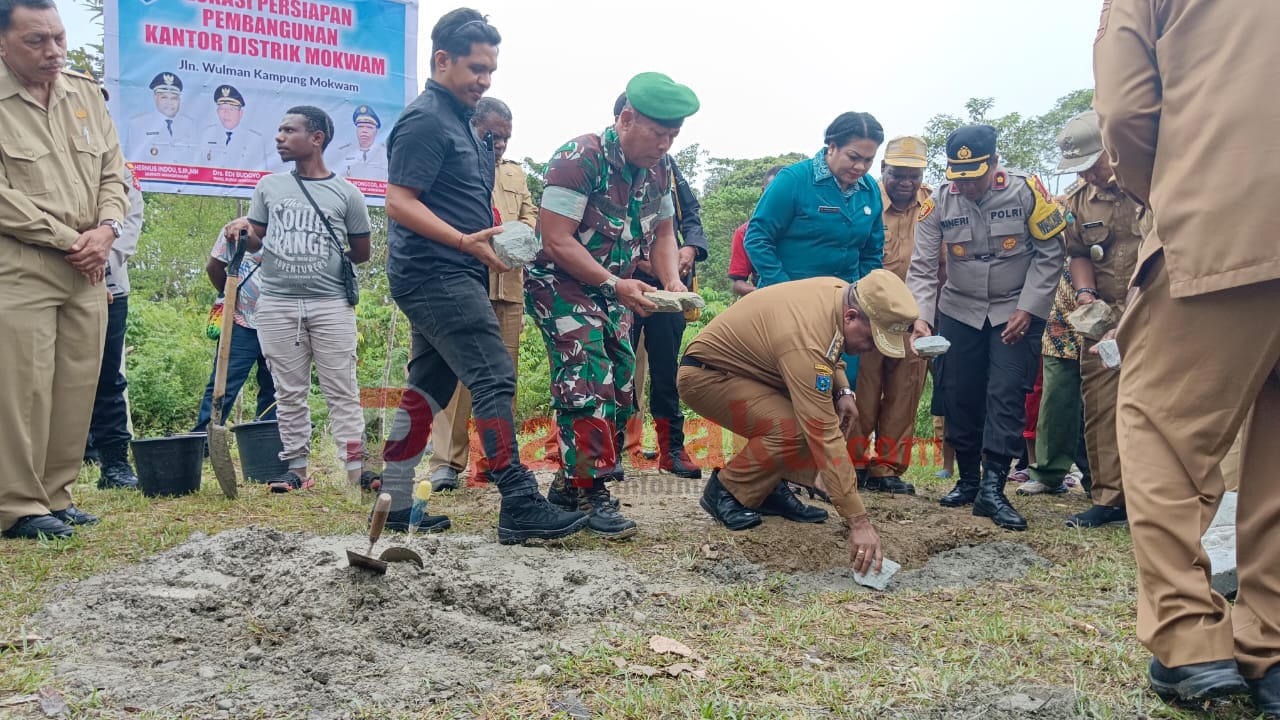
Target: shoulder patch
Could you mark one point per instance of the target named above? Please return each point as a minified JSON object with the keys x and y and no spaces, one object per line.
{"x":926,"y":208}
{"x":1040,"y":188}
{"x":1047,"y":218}
{"x":1001,"y":181}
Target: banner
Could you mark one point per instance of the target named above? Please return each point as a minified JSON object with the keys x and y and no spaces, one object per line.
{"x":199,"y":87}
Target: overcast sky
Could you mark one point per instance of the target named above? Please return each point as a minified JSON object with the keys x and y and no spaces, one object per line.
{"x":770,"y":75}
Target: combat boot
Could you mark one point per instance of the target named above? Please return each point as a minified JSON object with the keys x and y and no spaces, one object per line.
{"x":672,"y":457}
{"x":966,"y":489}
{"x":561,"y":493}
{"x":116,"y":471}
{"x":604,"y":514}
{"x":991,"y":501}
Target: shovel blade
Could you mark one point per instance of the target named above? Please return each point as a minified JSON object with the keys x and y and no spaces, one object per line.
{"x":355,"y":559}
{"x":220,"y":457}
{"x":401,"y":554}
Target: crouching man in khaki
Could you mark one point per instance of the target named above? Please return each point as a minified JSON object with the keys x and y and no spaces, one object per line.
{"x":769,"y":369}
{"x":62,"y":197}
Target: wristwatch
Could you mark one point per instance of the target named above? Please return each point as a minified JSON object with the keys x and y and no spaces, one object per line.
{"x":609,"y":288}
{"x":114,"y":225}
{"x":843,"y":392}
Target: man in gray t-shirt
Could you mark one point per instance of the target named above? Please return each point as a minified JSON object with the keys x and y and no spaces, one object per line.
{"x":299,"y":257}
{"x":303,"y":314}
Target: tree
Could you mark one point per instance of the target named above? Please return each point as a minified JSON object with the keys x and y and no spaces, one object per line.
{"x":1028,"y":144}
{"x":690,"y":161}
{"x":89,"y":58}
{"x":535,"y":177}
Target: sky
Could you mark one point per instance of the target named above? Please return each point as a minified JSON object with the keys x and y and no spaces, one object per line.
{"x":770,"y":75}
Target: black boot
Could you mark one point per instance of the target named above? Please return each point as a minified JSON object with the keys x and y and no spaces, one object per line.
{"x":604,"y":517}
{"x":561,"y":493}
{"x":966,"y":489}
{"x":991,"y":501}
{"x":524,"y":517}
{"x":116,"y":471}
{"x":672,"y":457}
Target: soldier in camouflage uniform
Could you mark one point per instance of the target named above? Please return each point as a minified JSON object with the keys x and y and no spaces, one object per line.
{"x":607,"y":204}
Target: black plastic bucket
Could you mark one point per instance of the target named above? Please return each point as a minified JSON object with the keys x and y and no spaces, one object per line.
{"x":260,"y":448}
{"x":169,"y":465}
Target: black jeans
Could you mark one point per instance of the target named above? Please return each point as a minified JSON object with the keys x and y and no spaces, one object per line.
{"x":986,"y":384}
{"x":455,"y":338}
{"x":110,"y":424}
{"x":662,"y":335}
{"x":246,"y":353}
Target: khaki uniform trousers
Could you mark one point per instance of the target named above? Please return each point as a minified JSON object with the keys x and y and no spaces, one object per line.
{"x":1192,"y":368}
{"x":450,"y":433}
{"x":53,"y":325}
{"x":1100,"y":385}
{"x":776,"y":448}
{"x":888,"y":392}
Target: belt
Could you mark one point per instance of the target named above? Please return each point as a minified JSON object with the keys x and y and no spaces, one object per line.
{"x":693,"y":362}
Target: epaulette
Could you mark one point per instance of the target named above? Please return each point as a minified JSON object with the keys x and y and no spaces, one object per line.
{"x":81,"y":75}
{"x":1074,"y":188}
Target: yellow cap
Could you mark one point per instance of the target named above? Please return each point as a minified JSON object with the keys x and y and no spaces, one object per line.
{"x":422,"y":491}
{"x":907,"y":151}
{"x":890,"y":308}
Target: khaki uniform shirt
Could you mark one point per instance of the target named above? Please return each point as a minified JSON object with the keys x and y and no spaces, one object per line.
{"x":1107,"y":219}
{"x":900,"y":230}
{"x":790,"y":337}
{"x":994,"y":266}
{"x":514,"y":202}
{"x":61,"y":169}
{"x":1215,"y":63}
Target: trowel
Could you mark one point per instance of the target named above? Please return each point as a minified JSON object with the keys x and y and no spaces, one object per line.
{"x":381,"y":509}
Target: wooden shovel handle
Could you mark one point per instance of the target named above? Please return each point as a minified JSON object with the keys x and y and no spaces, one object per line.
{"x":380,"y":511}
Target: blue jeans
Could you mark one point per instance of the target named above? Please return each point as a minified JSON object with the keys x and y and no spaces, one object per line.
{"x":455,"y":338}
{"x":245,"y":352}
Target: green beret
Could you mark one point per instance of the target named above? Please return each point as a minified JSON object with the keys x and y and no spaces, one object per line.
{"x":661,"y":99}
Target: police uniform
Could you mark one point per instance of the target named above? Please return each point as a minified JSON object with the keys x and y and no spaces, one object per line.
{"x":364,"y":163}
{"x":1103,"y":228}
{"x":240,"y":147}
{"x":620,"y":211}
{"x":769,"y":368}
{"x":63,"y":174}
{"x":157,"y":138}
{"x":1004,"y":255}
{"x":1200,"y":343}
{"x":512,"y":199}
{"x":889,"y":389}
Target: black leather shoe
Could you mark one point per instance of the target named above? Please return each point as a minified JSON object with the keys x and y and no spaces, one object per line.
{"x":784,"y":503}
{"x":75,"y":516}
{"x":1099,"y":516}
{"x":526,"y":517}
{"x":888,"y":484}
{"x":991,"y":501}
{"x":398,"y":521}
{"x":1266,"y":693}
{"x":679,"y":463}
{"x":1197,"y":682}
{"x":648,"y":454}
{"x":36,"y":527}
{"x":604,"y":516}
{"x":964,"y":493}
{"x":724,"y":507}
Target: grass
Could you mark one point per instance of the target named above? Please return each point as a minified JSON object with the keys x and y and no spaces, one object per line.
{"x":767,"y":653}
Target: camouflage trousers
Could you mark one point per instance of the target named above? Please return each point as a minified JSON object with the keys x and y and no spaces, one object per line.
{"x":592,"y":367}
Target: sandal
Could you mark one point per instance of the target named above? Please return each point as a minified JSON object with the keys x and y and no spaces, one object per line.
{"x":290,"y":481}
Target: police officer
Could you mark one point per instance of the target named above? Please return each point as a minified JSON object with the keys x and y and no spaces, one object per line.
{"x":1001,"y":234}
{"x":1185,"y":97}
{"x":165,"y":135}
{"x":62,"y":200}
{"x":1102,"y":239}
{"x":607,"y":200}
{"x":228,"y":143}
{"x":365,"y":158}
{"x":769,"y":367}
{"x":889,"y":389}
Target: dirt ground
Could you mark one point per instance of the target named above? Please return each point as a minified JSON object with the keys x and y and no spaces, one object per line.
{"x":259,"y":622}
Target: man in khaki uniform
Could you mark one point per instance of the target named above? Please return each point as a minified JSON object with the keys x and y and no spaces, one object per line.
{"x":1102,"y":238}
{"x":769,"y":368}
{"x":889,"y":389}
{"x":62,"y":197}
{"x":513,"y":201}
{"x":1201,"y":340}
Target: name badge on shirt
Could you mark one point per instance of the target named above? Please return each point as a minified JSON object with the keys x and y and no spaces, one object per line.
{"x":1091,"y":225}
{"x":828,"y":209}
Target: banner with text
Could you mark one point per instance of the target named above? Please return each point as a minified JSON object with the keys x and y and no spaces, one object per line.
{"x":199,"y":87}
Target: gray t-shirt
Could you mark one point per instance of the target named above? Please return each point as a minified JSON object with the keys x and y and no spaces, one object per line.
{"x":299,"y":258}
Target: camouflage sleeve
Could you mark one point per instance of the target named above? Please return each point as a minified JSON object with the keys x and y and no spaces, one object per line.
{"x":571,"y":176}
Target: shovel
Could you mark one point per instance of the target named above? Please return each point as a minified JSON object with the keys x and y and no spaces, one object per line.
{"x":396,"y":554}
{"x":219,"y":440}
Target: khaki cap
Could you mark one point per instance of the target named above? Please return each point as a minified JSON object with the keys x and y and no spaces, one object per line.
{"x":1080,"y":143}
{"x":907,"y":151}
{"x":890,"y":308}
